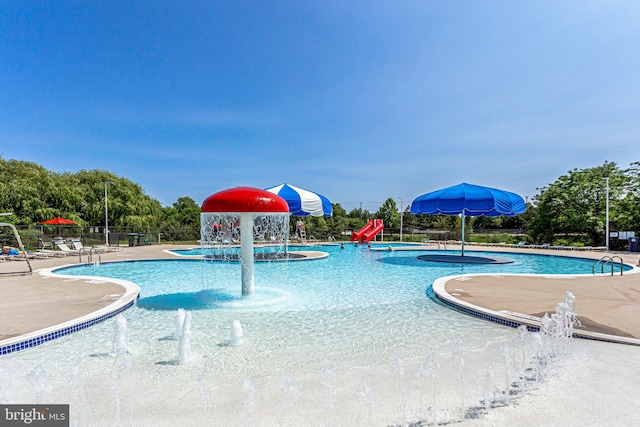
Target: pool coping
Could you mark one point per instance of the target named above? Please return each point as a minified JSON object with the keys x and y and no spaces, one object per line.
{"x":512,"y":318}
{"x":41,"y":336}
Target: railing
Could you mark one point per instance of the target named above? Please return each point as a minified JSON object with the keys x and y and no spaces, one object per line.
{"x":88,"y":254}
{"x":607,"y":260}
{"x":426,"y":241}
{"x":19,"y":240}
{"x":80,"y":252}
{"x":92,"y":249}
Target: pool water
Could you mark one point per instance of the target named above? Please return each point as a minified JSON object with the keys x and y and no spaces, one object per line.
{"x":345,"y":340}
{"x":349,"y":278}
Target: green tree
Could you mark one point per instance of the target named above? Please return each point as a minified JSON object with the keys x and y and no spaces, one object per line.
{"x":625,"y":215}
{"x":188,"y":212}
{"x":35,"y":194}
{"x":388,"y":213}
{"x":358,"y":218}
{"x":338,"y":222}
{"x":576,"y":203}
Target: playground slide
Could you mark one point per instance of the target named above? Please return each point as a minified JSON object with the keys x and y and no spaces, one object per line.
{"x":369,"y":231}
{"x":377,"y":228}
{"x":356,"y":235}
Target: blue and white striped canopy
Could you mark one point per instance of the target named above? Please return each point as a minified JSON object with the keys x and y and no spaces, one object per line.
{"x":303,"y":202}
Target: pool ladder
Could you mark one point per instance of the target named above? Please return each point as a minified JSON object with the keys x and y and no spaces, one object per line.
{"x":428,"y":242}
{"x":607,"y":260}
{"x":89,"y":257}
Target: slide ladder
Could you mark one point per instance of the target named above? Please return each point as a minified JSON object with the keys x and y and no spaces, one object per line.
{"x":301,"y":231}
{"x":368,"y":232}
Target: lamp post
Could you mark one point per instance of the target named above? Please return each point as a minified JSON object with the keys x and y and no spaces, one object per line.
{"x":401,"y":215}
{"x":607,"y":216}
{"x":106,"y":214}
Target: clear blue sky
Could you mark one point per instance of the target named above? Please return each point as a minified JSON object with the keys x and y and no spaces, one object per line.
{"x":359,"y":101}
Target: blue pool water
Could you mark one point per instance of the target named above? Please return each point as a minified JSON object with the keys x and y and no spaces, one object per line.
{"x":350,"y":277}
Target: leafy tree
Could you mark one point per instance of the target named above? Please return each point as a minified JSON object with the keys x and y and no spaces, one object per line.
{"x":576,"y":203}
{"x":358,"y":218}
{"x":389,"y":214}
{"x":625,"y":215}
{"x":35,"y":194}
{"x":338,"y":222}
{"x":409,"y":221}
{"x":187,"y":212}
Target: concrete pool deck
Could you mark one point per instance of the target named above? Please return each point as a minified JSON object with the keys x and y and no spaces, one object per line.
{"x":608,"y":306}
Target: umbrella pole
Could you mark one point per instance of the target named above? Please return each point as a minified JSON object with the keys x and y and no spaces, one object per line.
{"x":463,"y":232}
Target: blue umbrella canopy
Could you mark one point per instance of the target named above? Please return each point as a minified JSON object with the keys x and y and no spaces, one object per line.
{"x":303,"y":202}
{"x":469,"y":200}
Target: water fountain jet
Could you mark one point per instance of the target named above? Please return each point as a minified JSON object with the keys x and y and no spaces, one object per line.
{"x":236,"y":333}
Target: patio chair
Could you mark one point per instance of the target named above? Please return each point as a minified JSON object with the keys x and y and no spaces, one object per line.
{"x":542,"y":246}
{"x":43,"y":245}
{"x":77,"y":244}
{"x":65,"y":249}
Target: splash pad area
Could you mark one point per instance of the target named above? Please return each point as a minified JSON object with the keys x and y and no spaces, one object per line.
{"x":347,"y":340}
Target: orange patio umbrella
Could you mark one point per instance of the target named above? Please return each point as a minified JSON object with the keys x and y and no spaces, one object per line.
{"x":58,"y":221}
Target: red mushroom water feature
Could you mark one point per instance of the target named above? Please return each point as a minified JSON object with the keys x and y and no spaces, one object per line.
{"x":233,"y":213}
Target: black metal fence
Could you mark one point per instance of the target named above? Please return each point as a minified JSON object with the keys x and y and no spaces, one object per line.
{"x":34,"y":236}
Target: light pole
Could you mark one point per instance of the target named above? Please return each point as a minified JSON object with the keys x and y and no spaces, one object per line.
{"x":401,"y":215}
{"x":607,"y":216}
{"x":106,"y":214}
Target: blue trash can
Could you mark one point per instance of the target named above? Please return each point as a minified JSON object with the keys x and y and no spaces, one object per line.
{"x":634,"y":244}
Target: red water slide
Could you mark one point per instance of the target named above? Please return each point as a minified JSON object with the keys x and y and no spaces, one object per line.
{"x":368,"y":232}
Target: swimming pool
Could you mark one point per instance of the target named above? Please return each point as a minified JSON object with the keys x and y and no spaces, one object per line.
{"x":351,"y":337}
{"x":350,"y":277}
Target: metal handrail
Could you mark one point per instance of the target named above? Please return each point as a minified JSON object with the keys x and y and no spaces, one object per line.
{"x":98,"y":253}
{"x":19,"y":240}
{"x":83,"y":250}
{"x":608,"y":260}
{"x":427,"y":242}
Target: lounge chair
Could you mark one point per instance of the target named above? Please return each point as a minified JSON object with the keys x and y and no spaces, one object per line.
{"x":42,"y":244}
{"x":542,"y":246}
{"x":518,"y":245}
{"x":66,"y":249}
{"x":77,"y":244}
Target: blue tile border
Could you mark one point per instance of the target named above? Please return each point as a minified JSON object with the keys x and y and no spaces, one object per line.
{"x":32,"y":342}
{"x":482,"y":315}
{"x":450,"y":301}
{"x":506,"y":322}
{"x":35,"y":338}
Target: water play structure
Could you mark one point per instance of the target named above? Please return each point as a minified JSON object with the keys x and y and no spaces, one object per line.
{"x":368,"y":232}
{"x":244,"y":214}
